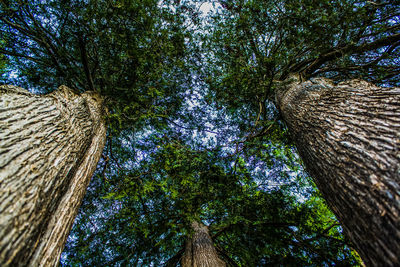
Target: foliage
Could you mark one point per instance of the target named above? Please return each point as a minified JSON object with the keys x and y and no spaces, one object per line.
{"x":252,"y":46}
{"x":194,"y":133}
{"x":149,"y":202}
{"x":132,"y":52}
{"x":3,"y":61}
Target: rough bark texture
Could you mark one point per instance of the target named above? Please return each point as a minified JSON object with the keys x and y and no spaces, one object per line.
{"x":200,"y":250}
{"x":348,"y":136}
{"x":49,"y":149}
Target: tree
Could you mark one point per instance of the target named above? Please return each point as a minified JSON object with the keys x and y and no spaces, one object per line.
{"x":350,"y":139}
{"x":200,"y":250}
{"x":50,"y":147}
{"x":124,"y":53}
{"x":346,"y":133}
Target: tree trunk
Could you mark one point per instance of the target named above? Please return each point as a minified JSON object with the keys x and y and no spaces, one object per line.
{"x":348,"y":136}
{"x":49,"y":147}
{"x":200,"y":250}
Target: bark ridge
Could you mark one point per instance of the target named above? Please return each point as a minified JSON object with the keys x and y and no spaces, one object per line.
{"x":348,"y":136}
{"x":49,"y":148}
{"x":200,"y":250}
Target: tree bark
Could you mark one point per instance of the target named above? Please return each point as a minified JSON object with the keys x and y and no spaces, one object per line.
{"x":49,"y":147}
{"x":200,"y":250}
{"x":348,"y":136}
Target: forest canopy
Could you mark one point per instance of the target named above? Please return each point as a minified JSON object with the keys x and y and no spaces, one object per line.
{"x":194,"y":132}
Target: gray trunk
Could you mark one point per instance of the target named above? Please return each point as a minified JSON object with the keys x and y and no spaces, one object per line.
{"x":49,"y":149}
{"x":348,"y":136}
{"x":200,"y":250}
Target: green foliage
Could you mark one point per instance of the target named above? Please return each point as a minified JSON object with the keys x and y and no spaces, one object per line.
{"x":3,"y":61}
{"x":193,"y":130}
{"x":251,"y":46}
{"x":132,"y":52}
{"x":148,"y":204}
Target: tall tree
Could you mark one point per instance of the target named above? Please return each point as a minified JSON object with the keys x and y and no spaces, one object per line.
{"x":346,"y":133}
{"x":350,"y":139}
{"x":128,"y":53}
{"x":199,"y":249}
{"x":50,"y":146}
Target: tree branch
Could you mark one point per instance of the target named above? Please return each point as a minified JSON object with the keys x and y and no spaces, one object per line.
{"x":82,"y":48}
{"x":351,"y":48}
{"x":173,"y":261}
{"x":14,"y":54}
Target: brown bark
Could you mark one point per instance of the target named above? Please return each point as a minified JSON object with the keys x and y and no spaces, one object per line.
{"x":348,"y":136}
{"x":49,"y":149}
{"x":200,"y":250}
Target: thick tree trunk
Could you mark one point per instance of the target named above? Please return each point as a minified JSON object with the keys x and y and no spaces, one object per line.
{"x":49,"y":149}
{"x":200,"y":250}
{"x":348,"y":136}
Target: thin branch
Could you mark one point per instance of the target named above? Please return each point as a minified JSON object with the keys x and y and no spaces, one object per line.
{"x":225,"y":255}
{"x":351,"y":48}
{"x":14,"y":54}
{"x":173,"y":261}
{"x":82,"y":48}
{"x":323,"y":232}
{"x":187,"y":128}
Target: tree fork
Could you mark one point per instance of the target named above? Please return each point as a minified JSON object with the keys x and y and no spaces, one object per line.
{"x":49,"y":149}
{"x":348,"y":136}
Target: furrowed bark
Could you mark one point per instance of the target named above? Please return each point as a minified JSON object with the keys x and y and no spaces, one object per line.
{"x":200,"y":250}
{"x":348,"y":136}
{"x":49,"y":149}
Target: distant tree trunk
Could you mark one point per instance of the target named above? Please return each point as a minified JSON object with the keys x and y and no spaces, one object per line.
{"x":200,"y":250}
{"x":348,"y":136}
{"x":49,"y":149}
